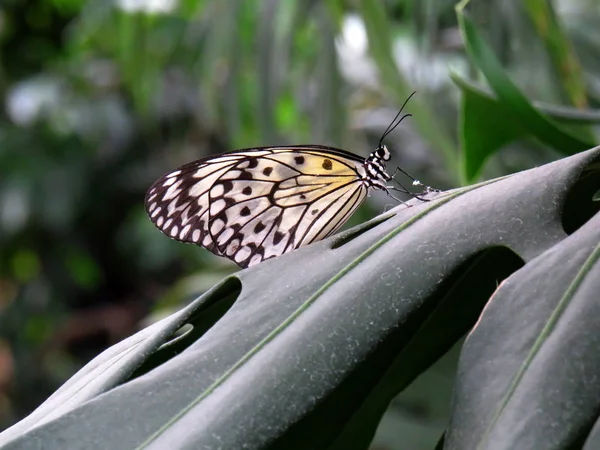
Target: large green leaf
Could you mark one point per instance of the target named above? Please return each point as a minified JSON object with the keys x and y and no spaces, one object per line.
{"x":527,"y":369}
{"x":482,"y":132}
{"x":513,"y":107}
{"x":488,"y":124}
{"x":565,"y":60}
{"x":319,"y":341}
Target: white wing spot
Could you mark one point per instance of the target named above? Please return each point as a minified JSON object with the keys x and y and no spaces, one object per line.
{"x":231,"y":175}
{"x":224,"y":236}
{"x":173,"y":208}
{"x":156,"y":211}
{"x":255,"y":260}
{"x":184,"y":218}
{"x":168,"y":223}
{"x":217,"y":190}
{"x":200,"y":172}
{"x":242,"y":254}
{"x":206,"y":241}
{"x":174,"y":230}
{"x":217,"y":207}
{"x":151,"y":207}
{"x":169,"y":181}
{"x":172,"y":192}
{"x":217,"y":226}
{"x":184,"y":231}
{"x":160,"y":221}
{"x":174,"y":174}
{"x":233,"y":246}
{"x":196,"y":235}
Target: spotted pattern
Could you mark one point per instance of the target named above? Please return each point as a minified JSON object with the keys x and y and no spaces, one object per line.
{"x":257,"y":204}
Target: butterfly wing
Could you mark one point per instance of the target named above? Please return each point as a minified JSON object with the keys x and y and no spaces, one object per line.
{"x":178,"y":202}
{"x":257,"y":204}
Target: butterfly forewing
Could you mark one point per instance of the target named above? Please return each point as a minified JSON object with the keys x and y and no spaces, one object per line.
{"x":256,"y":204}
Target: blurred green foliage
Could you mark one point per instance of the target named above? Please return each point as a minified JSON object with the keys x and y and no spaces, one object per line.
{"x":100,"y":98}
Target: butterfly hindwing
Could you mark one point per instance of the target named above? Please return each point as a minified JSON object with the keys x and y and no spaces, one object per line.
{"x":178,"y":202}
{"x":256,"y":204}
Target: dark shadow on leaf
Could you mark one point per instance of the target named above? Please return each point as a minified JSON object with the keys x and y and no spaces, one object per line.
{"x":200,"y":322}
{"x":579,"y":441}
{"x":581,"y":205}
{"x":440,"y":443}
{"x":180,"y":334}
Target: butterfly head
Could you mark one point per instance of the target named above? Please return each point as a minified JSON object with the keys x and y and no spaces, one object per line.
{"x":382,"y":153}
{"x":374,"y":167}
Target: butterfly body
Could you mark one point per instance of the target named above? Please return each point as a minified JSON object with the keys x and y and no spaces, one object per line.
{"x":255,"y":204}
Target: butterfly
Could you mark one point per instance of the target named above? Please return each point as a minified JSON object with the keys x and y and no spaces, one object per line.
{"x":258,"y":203}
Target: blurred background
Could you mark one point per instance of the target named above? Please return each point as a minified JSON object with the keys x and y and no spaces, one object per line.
{"x":100,"y":98}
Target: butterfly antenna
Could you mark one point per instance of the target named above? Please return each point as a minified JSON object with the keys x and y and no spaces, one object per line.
{"x":392,"y":126}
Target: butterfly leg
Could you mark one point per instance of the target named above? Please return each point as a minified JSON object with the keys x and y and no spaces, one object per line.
{"x":415,"y":182}
{"x":387,"y":191}
{"x":406,"y":191}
